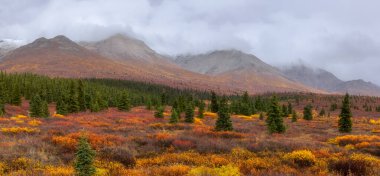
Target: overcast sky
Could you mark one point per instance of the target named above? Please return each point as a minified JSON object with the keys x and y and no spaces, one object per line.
{"x":342,"y":36}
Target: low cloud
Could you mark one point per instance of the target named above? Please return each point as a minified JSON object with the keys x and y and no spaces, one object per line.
{"x":341,"y":36}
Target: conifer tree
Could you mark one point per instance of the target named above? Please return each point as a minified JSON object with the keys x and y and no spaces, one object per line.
{"x":174,"y":117}
{"x":44,"y":109}
{"x":189,"y":113}
{"x":307,"y":112}
{"x":345,"y":122}
{"x":94,"y":103}
{"x":274,"y":120}
{"x":322,"y":112}
{"x":261,"y":117}
{"x":290,"y":108}
{"x":294,"y":116}
{"x":16,"y":96}
{"x":73,"y":104}
{"x":214,"y":102}
{"x":159,"y":112}
{"x":61,"y":107}
{"x":201,"y":109}
{"x":149,"y":104}
{"x":81,"y":96}
{"x":223,"y":123}
{"x":284,"y":111}
{"x":84,"y":162}
{"x":124,"y":104}
{"x":2,"y":107}
{"x":35,"y":107}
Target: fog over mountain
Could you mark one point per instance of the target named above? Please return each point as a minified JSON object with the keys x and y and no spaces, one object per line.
{"x":340,"y":36}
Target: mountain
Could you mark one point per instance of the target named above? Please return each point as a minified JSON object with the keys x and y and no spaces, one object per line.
{"x":122,"y":57}
{"x":322,"y":79}
{"x":317,"y":78}
{"x":242,"y":70}
{"x":7,"y":45}
{"x":61,"y":57}
{"x":124,"y":48}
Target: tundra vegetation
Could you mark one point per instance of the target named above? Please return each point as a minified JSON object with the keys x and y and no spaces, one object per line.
{"x":59,"y":127}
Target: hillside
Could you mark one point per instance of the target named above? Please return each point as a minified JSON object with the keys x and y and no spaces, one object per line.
{"x":322,"y":79}
{"x":242,"y":70}
{"x":61,"y":57}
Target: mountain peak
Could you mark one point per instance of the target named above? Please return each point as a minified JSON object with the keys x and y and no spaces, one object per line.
{"x":221,"y":61}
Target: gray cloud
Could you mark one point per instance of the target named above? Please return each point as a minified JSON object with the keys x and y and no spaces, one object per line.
{"x":342,"y":36}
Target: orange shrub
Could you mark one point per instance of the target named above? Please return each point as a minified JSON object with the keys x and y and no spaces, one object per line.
{"x":173,"y":170}
{"x":97,"y":141}
{"x":59,"y":171}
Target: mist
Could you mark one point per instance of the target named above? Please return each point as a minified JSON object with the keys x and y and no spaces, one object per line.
{"x":341,"y":36}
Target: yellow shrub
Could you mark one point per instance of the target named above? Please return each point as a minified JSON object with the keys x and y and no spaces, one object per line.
{"x":3,"y":168}
{"x":368,"y":159}
{"x":244,"y":117}
{"x":242,"y":154}
{"x":34,"y":122}
{"x":16,"y":130}
{"x":19,"y":121}
{"x":302,"y":158}
{"x":217,"y":160}
{"x":349,"y":147}
{"x":59,"y":171}
{"x":187,"y":158}
{"x":374,"y":122}
{"x":23,"y":163}
{"x":198,"y":121}
{"x":210,"y":114}
{"x":109,"y":168}
{"x":173,"y":170}
{"x":58,"y":116}
{"x":228,"y":170}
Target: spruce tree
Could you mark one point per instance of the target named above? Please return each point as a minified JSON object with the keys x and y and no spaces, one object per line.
{"x":94,"y":103}
{"x":124,"y":104}
{"x":322,"y":112}
{"x":16,"y":96}
{"x":81,"y":96}
{"x":284,"y":111}
{"x":261,"y":117}
{"x":2,"y":107}
{"x":290,"y":108}
{"x":84,"y":162}
{"x":307,"y":112}
{"x":73,"y":104}
{"x":61,"y":107}
{"x":44,"y":109}
{"x":174,"y":117}
{"x":345,"y":122}
{"x":274,"y":120}
{"x":294,"y":116}
{"x":223,"y":123}
{"x":214,"y":102}
{"x":149,"y":104}
{"x":159,"y":112}
{"x":189,"y":113}
{"x":201,"y":109}
{"x":35,"y":106}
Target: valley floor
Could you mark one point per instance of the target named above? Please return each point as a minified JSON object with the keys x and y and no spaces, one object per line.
{"x":137,"y":143}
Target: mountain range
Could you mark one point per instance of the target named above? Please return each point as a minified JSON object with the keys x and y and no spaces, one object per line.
{"x":123,"y":57}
